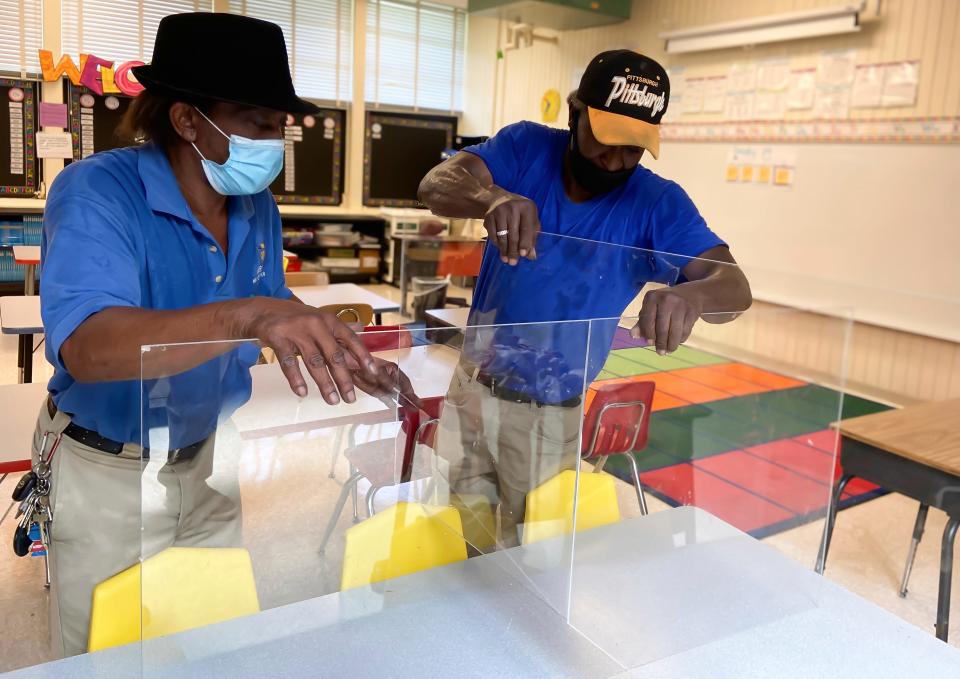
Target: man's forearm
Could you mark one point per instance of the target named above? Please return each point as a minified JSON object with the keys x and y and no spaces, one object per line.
{"x":107,"y":346}
{"x":722,"y":295}
{"x":449,"y":190}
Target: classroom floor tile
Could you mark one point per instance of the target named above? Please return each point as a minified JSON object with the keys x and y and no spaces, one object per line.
{"x":759,"y":376}
{"x":678,"y":387}
{"x":777,"y":484}
{"x":648,"y":357}
{"x":713,"y":377}
{"x":687,"y":484}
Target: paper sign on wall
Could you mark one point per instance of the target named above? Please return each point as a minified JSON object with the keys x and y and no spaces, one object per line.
{"x":800,"y":91}
{"x":53,"y":115}
{"x":714,"y":94}
{"x":832,"y":102}
{"x":54,"y":145}
{"x":900,"y":84}
{"x":693,"y":97}
{"x":867,"y":86}
{"x":742,"y":76}
{"x":837,"y":67}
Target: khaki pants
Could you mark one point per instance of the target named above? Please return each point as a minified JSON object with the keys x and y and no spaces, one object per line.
{"x":108,"y":510}
{"x":503,"y":450}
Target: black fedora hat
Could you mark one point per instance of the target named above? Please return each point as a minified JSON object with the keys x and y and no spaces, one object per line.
{"x":223,"y":57}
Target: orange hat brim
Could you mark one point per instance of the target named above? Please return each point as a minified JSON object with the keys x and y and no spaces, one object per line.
{"x":614,"y":129}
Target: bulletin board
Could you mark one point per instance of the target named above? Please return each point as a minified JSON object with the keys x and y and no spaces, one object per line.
{"x":313,"y":159}
{"x":398,"y":150}
{"x":18,"y":155}
{"x":94,"y":120}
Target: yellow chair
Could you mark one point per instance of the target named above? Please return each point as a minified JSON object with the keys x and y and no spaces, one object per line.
{"x":182,"y":588}
{"x":358,"y":314}
{"x":403,"y":539}
{"x":549,"y":511}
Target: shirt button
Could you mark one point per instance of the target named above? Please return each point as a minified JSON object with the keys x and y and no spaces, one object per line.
{"x":213,"y":248}
{"x":218,"y":279}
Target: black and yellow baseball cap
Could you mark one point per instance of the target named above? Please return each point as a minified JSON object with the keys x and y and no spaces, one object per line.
{"x":626,"y":95}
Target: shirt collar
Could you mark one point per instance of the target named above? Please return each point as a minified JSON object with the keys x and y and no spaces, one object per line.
{"x":163,"y":193}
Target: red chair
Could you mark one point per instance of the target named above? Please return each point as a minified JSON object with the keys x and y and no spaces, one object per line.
{"x":386,"y":337}
{"x":379,"y":461}
{"x":617,"y":422}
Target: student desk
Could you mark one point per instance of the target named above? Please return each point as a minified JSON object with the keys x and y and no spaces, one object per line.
{"x":914,"y":451}
{"x":21,"y":316}
{"x":29,"y":256}
{"x":345,"y":293}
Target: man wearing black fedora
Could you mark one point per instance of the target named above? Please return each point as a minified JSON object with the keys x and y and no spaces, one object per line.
{"x":174,"y":240}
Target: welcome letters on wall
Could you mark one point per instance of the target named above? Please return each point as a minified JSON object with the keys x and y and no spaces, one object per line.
{"x":97,"y":74}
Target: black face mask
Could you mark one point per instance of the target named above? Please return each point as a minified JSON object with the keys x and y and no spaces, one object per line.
{"x":590,"y":176}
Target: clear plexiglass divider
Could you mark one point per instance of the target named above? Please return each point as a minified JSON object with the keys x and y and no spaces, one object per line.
{"x":445,"y":515}
{"x":273,"y":524}
{"x":724,"y":446}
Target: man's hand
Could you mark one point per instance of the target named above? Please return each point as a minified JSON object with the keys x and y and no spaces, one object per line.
{"x":389,"y":380}
{"x":328,"y":347}
{"x":667,"y":318}
{"x":512,"y":223}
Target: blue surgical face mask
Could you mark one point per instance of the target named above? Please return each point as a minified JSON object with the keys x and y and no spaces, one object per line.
{"x":252,"y":164}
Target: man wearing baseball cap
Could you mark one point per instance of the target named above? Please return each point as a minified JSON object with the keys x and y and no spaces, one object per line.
{"x":175,"y":240}
{"x":585,"y":182}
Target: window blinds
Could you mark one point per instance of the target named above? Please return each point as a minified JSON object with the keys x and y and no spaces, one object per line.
{"x":415,"y":54}
{"x":21,"y":35}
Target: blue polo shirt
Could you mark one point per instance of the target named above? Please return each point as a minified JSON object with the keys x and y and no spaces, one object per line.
{"x":593,"y":258}
{"x":117,"y":232}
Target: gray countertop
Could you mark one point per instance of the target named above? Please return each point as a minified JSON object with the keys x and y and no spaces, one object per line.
{"x":675,"y":594}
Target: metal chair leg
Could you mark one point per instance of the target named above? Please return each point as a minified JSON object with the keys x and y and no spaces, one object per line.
{"x":946,"y":574}
{"x":337,"y":443}
{"x":353,"y":497}
{"x":371,"y":494}
{"x":637,"y":485}
{"x":350,"y":483}
{"x":912,"y":552}
{"x":831,"y":519}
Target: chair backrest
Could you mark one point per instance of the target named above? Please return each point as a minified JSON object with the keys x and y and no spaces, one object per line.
{"x":178,"y":589}
{"x":400,"y":540}
{"x":296,"y":279}
{"x":386,"y":337}
{"x":418,"y":427}
{"x":618,"y":419}
{"x":361,"y":314}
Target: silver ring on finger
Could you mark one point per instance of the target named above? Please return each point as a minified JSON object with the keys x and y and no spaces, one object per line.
{"x":505,"y":232}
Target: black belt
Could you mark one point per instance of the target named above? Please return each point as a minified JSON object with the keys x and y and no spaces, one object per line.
{"x":490,"y":381}
{"x":90,"y":438}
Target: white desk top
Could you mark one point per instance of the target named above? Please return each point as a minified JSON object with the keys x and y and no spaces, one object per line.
{"x":675,"y":594}
{"x":275,"y":410}
{"x":454,"y":317}
{"x":20,"y":315}
{"x":26,"y":254}
{"x":343,"y":293}
{"x":20,"y":404}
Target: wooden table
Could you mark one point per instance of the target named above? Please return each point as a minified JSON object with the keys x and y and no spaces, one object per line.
{"x":345,"y":293}
{"x":21,"y":316}
{"x":29,"y":256}
{"x":914,"y":451}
